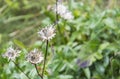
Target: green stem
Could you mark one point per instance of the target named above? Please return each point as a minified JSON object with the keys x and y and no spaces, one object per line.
{"x":57,"y":18}
{"x":38,"y":71}
{"x":21,"y":70}
{"x":45,"y":58}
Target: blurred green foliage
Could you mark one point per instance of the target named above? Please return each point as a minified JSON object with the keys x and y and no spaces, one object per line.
{"x":87,"y":49}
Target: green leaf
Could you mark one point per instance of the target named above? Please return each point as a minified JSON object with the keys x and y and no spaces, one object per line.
{"x":20,"y":44}
{"x":100,"y":68}
{"x":87,"y":73}
{"x":98,"y":55}
{"x":65,"y":77}
{"x":103,"y":46}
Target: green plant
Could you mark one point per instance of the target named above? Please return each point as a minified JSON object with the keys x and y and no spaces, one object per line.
{"x":86,"y":48}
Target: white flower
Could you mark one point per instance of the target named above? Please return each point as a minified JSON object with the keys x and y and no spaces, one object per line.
{"x":63,"y":11}
{"x":11,"y":54}
{"x":60,"y":9}
{"x":67,"y":16}
{"x":47,"y":33}
{"x":34,"y":57}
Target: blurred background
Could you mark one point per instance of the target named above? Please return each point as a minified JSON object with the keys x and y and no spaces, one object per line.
{"x":89,"y":47}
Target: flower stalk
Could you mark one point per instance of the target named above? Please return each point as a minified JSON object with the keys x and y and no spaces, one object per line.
{"x":21,"y":70}
{"x":57,"y":17}
{"x":45,"y":58}
{"x":38,"y":71}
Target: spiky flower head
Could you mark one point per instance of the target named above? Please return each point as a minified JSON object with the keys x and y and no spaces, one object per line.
{"x":34,"y":56}
{"x":47,"y":33}
{"x":11,"y":53}
{"x":59,"y":8}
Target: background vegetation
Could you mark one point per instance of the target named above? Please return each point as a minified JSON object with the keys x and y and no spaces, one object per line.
{"x":89,"y":47}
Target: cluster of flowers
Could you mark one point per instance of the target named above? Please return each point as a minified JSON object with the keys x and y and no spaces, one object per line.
{"x":33,"y":56}
{"x":63,"y":11}
{"x":46,"y":34}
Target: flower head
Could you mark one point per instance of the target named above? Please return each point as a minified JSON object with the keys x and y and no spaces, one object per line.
{"x":34,"y":57}
{"x":67,"y":16}
{"x":63,"y":11}
{"x":47,"y":33}
{"x":60,"y":8}
{"x":11,"y":53}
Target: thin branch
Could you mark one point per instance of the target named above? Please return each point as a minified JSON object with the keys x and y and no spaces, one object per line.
{"x":38,"y":71}
{"x":21,"y":70}
{"x":45,"y":58}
